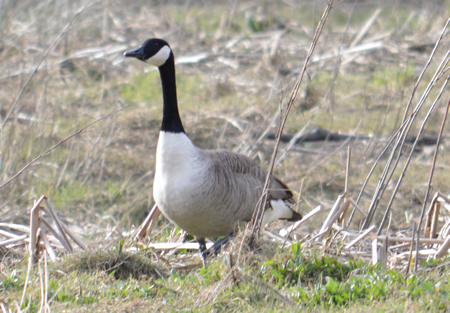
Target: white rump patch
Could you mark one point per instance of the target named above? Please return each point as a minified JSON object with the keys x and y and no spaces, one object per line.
{"x":278,"y":210}
{"x":161,"y":57}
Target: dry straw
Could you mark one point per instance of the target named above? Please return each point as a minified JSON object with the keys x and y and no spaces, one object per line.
{"x":255,"y":224}
{"x":335,"y":229}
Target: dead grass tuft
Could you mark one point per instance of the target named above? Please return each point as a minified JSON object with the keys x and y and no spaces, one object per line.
{"x":118,"y":264}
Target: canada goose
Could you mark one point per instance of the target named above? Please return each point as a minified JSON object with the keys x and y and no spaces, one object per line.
{"x":204,"y":192}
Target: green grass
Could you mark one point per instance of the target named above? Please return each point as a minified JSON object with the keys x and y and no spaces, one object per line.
{"x":287,"y":280}
{"x":102,"y":179}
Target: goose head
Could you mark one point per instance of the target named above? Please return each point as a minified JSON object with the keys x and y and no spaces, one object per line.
{"x":153,"y":51}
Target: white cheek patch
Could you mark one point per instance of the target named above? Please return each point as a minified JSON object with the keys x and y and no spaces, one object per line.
{"x":161,"y":57}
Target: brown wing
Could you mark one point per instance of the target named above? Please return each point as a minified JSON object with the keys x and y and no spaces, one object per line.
{"x":225,"y":160}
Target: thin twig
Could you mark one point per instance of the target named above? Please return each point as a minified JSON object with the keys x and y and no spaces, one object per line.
{"x":400,"y":134}
{"x":443,"y":32}
{"x":55,"y":295}
{"x":433,"y":165}
{"x":58,"y":144}
{"x":64,"y":31}
{"x":422,"y":127}
{"x":255,"y":224}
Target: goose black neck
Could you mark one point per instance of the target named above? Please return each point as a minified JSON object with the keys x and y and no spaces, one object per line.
{"x":171,"y":121}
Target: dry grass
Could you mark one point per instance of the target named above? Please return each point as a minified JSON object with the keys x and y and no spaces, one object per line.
{"x":101,"y":179}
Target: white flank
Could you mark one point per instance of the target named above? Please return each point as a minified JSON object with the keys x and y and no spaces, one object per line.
{"x":161,"y":57}
{"x":279,"y":210}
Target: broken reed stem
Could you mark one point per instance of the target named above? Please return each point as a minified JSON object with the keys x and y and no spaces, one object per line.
{"x":25,"y":285}
{"x":42,"y":288}
{"x":34,"y":226}
{"x":58,"y":144}
{"x":435,"y":219}
{"x":63,"y":230}
{"x":291,"y":228}
{"x":143,"y":229}
{"x":360,"y":237}
{"x":366,"y":26}
{"x":255,"y":223}
{"x":433,"y":166}
{"x":399,"y":134}
{"x":62,"y":239}
{"x":428,"y":241}
{"x":431,"y":215}
{"x":411,"y":249}
{"x":48,"y":247}
{"x":347,"y":168}
{"x":443,"y":249}
{"x":47,"y":308}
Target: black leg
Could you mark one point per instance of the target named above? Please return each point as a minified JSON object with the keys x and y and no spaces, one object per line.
{"x":219,"y":243}
{"x":203,"y":252}
{"x":217,"y":246}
